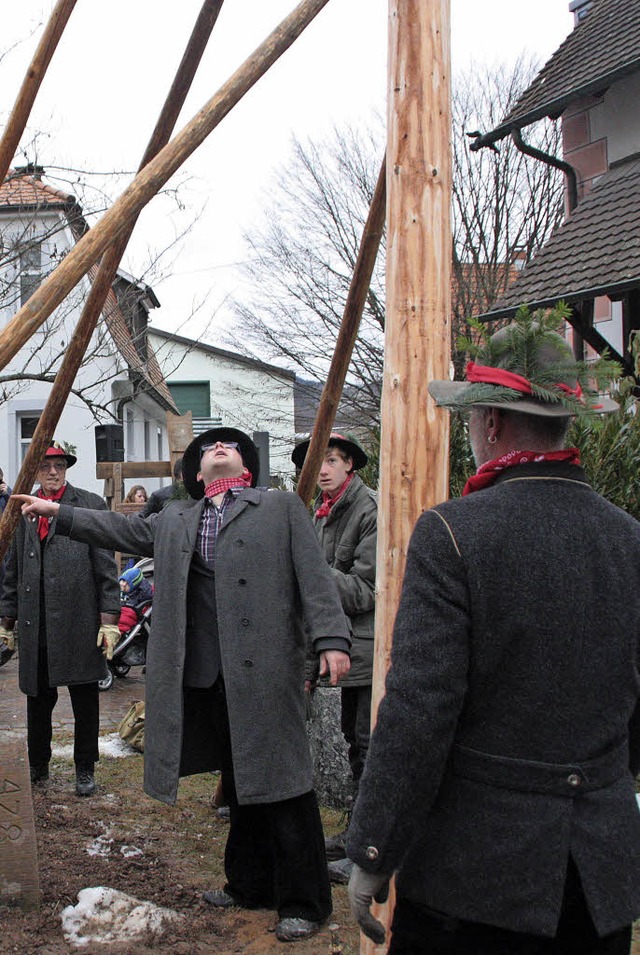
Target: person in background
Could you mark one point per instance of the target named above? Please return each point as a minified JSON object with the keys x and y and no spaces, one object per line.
{"x":500,"y":780}
{"x":62,"y":593}
{"x":136,"y":593}
{"x":237,"y":571}
{"x":5,"y":492}
{"x":345,"y":519}
{"x":159,"y":499}
{"x":137,"y":495}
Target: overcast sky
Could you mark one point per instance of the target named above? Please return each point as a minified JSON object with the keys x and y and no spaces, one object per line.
{"x":115,"y":63}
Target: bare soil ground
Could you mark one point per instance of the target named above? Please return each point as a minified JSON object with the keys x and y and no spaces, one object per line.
{"x":181,"y":852}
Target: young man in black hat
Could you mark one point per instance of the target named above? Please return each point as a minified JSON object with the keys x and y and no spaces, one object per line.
{"x":509,"y":725}
{"x":235,"y":570}
{"x":62,"y":594}
{"x":345,"y":519}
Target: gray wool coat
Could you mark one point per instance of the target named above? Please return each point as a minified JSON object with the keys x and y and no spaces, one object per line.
{"x":348,"y":536}
{"x":508,"y":736}
{"x":80,"y":582}
{"x":269,"y":573}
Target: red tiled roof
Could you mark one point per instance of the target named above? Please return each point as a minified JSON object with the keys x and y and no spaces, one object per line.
{"x":20,"y":190}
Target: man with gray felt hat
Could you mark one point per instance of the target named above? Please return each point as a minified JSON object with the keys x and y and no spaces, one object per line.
{"x":509,"y":733}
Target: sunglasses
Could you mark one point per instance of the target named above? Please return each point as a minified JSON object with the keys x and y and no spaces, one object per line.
{"x":57,"y":465}
{"x":232,"y":445}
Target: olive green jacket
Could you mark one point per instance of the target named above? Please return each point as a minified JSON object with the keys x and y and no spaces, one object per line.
{"x":348,"y":538}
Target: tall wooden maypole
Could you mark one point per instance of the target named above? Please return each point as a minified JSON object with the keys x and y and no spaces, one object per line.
{"x":414,"y":453}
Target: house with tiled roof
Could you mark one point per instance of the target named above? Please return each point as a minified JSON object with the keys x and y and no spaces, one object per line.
{"x":120,"y":380}
{"x":592,"y":261}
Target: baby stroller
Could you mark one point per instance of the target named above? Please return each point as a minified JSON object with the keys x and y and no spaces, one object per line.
{"x":131,"y":650}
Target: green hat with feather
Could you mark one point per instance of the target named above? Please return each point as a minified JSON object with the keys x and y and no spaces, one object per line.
{"x":529,"y":367}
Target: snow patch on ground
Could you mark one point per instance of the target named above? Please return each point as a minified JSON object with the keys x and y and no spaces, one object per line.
{"x":104,"y":844}
{"x":104,"y":916}
{"x":112,"y":746}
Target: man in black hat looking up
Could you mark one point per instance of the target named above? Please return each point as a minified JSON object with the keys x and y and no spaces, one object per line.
{"x":62,"y":594}
{"x":235,"y":570}
{"x":345,"y":519}
{"x":509,"y":727}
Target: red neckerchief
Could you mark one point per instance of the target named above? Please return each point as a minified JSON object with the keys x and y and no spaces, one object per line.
{"x":45,"y":522}
{"x":220,"y":485}
{"x":488,"y":472}
{"x":328,"y":502}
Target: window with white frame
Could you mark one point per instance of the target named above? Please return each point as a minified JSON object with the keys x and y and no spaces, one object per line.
{"x":27,"y":424}
{"x":30,"y":270}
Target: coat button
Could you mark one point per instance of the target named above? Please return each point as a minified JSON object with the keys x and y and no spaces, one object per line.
{"x":242,"y":581}
{"x":245,"y":621}
{"x":31,"y":554}
{"x":371,"y":852}
{"x":248,"y":663}
{"x":240,"y":542}
{"x":27,"y":623}
{"x":28,"y":589}
{"x":574,"y":780}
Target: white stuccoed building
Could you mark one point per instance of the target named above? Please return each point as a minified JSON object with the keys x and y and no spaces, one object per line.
{"x":225,"y":388}
{"x":120,"y":381}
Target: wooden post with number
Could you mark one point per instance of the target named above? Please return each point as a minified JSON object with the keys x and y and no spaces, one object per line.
{"x":414,"y":446}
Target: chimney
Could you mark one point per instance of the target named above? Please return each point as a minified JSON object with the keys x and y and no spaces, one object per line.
{"x":31,"y":169}
{"x":580,"y":9}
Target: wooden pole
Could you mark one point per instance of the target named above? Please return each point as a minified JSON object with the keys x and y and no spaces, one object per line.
{"x":358,"y":291}
{"x":148,"y":182}
{"x":101,"y":285}
{"x":414,"y":442}
{"x":31,"y":83}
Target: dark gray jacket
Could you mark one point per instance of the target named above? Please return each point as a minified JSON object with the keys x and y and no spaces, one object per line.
{"x":511,"y":711}
{"x":80,"y":582}
{"x":269,"y":572}
{"x":348,"y":538}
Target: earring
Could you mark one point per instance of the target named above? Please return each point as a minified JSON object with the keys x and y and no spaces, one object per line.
{"x":492,"y":439}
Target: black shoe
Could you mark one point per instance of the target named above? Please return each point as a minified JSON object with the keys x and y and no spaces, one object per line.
{"x":293,"y":929}
{"x":85,"y":782}
{"x":336,"y":846}
{"x":39,"y":773}
{"x":220,"y":899}
{"x":340,"y":871}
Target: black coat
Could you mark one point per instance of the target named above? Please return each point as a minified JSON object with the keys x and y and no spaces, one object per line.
{"x":503,"y":743}
{"x":80,"y":582}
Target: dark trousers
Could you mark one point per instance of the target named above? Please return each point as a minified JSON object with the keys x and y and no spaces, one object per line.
{"x":355,"y":723}
{"x":417,"y":931}
{"x":86,"y":713}
{"x":275,"y":856}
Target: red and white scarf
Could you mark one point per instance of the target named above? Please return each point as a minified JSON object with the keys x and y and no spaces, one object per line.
{"x":220,"y":485}
{"x":45,"y":522}
{"x":489,"y":471}
{"x":328,"y":501}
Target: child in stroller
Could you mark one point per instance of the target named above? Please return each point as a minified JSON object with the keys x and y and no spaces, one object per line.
{"x":136,"y":594}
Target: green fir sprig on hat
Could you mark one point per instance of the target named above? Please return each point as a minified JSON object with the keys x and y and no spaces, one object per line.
{"x":532,"y":346}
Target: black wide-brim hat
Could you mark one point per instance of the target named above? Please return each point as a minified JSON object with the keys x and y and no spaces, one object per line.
{"x":345,"y":442}
{"x":191,"y":457}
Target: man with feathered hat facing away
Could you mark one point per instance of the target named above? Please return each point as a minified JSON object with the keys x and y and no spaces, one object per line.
{"x":236,"y":568}
{"x":508,"y":733}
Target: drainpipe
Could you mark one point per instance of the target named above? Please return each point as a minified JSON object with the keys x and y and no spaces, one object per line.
{"x":572,"y":201}
{"x":569,"y":171}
